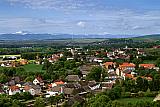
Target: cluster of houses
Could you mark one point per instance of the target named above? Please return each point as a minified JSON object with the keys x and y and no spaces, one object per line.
{"x":13,"y":63}
{"x":75,"y":86}
{"x":126,"y":70}
{"x":72,"y":87}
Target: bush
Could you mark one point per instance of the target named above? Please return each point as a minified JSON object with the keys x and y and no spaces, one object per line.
{"x":127,"y":95}
{"x":141,"y":94}
{"x":150,"y":94}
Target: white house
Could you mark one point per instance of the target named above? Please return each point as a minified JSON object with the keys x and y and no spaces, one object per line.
{"x":94,"y":87}
{"x":38,"y":81}
{"x":13,"y":90}
{"x":54,"y":91}
{"x":33,"y":90}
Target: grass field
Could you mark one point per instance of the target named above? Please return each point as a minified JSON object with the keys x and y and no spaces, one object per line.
{"x":33,"y":68}
{"x":133,"y":100}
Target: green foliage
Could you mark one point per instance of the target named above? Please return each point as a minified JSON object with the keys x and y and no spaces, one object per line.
{"x":6,"y":101}
{"x":95,"y":74}
{"x":55,"y":99}
{"x":29,"y":79}
{"x":142,"y":84}
{"x":100,"y":101}
{"x":39,"y":102}
{"x":46,"y":65}
{"x":25,"y":95}
{"x":3,"y":78}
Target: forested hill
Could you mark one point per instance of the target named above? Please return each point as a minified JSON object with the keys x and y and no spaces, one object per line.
{"x":148,"y":37}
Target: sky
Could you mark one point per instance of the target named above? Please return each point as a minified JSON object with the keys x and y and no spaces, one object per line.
{"x":125,"y":17}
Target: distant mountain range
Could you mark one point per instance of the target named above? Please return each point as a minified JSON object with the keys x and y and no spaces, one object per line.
{"x":153,"y":36}
{"x":27,"y":36}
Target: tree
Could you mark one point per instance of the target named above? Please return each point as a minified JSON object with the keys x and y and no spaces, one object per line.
{"x":29,"y":78}
{"x":39,"y":102}
{"x":55,"y":99}
{"x":46,"y":65}
{"x":158,"y":62}
{"x":99,"y":101}
{"x":3,"y":78}
{"x":16,"y":103}
{"x":95,"y":74}
{"x":116,"y":103}
{"x":139,"y":84}
{"x":52,"y":100}
{"x":115,"y":93}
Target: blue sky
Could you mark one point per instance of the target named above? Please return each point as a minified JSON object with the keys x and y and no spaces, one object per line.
{"x":130,"y":17}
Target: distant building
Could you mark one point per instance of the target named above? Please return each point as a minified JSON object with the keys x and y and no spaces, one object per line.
{"x":13,"y":90}
{"x":147,"y":66}
{"x":38,"y":81}
{"x":73,"y":78}
{"x":108,"y":65}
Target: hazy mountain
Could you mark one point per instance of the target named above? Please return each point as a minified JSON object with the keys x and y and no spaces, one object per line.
{"x":27,"y":36}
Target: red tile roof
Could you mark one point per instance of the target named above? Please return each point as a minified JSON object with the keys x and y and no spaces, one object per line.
{"x":27,"y":88}
{"x":127,"y":65}
{"x":39,"y":79}
{"x":108,"y":63}
{"x":129,"y":75}
{"x":147,"y":78}
{"x":14,"y":88}
{"x":147,"y":65}
{"x":59,"y":82}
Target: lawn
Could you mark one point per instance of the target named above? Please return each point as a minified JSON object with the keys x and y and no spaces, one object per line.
{"x":33,"y":68}
{"x":133,"y":100}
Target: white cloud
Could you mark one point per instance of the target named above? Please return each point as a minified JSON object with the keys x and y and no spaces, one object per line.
{"x":81,"y":24}
{"x":56,"y":4}
{"x":122,"y":21}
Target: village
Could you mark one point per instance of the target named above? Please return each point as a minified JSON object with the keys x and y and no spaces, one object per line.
{"x":96,"y":71}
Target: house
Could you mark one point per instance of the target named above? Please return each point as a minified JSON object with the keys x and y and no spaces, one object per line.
{"x":99,"y":60}
{"x":70,"y":58}
{"x":13,"y":90}
{"x":125,"y":66}
{"x":57,"y":83}
{"x":109,"y":65}
{"x":76,"y":98}
{"x":54,"y":91}
{"x":68,"y":92}
{"x":93,"y":85}
{"x":20,"y":84}
{"x":85,"y":69}
{"x":33,"y":89}
{"x":140,"y":52}
{"x":73,"y":78}
{"x":16,"y":79}
{"x":8,"y":63}
{"x":27,"y":83}
{"x":106,"y":85}
{"x":147,"y":66}
{"x":128,"y":74}
{"x":69,"y":88}
{"x":54,"y":57}
{"x":156,"y":47}
{"x":38,"y":81}
{"x":23,"y":61}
